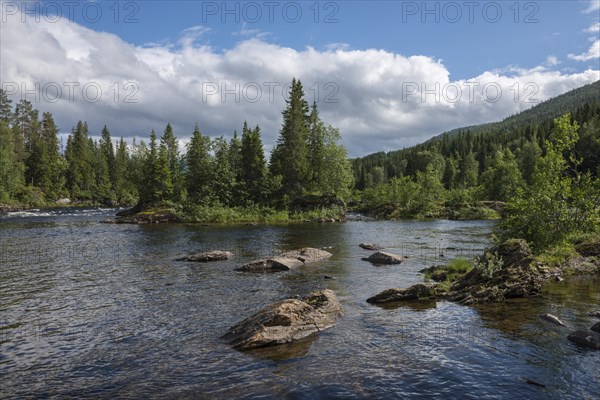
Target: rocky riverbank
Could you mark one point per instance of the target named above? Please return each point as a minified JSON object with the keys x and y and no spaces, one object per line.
{"x":507,"y":271}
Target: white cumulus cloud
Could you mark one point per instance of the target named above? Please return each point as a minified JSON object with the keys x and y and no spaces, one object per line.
{"x":592,"y":54}
{"x":380,"y":100}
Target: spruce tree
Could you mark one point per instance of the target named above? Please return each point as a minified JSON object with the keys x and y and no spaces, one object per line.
{"x":123,"y":171}
{"x":164,"y":180}
{"x":11,"y":168}
{"x":80,"y":158}
{"x":108,"y":152}
{"x":198,"y":162}
{"x":171,"y":145}
{"x":253,"y":164}
{"x":103,"y":187}
{"x":55,"y":169}
{"x":289,"y":157}
{"x":5,"y":108}
{"x":222,"y":176}
{"x":315,"y":149}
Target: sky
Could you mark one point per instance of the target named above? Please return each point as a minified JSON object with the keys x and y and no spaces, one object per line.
{"x":388,"y":74}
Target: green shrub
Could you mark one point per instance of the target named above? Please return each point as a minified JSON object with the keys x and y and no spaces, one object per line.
{"x":459,"y":266}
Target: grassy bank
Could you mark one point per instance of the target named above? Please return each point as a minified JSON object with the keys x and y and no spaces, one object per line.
{"x":193,"y":213}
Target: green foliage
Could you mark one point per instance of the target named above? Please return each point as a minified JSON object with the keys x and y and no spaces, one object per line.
{"x":5,"y":108}
{"x":557,"y":255}
{"x":459,"y":266}
{"x":218,"y":213}
{"x":253,"y":173}
{"x":222,"y":179}
{"x":174,"y":188}
{"x":502,"y":180}
{"x":524,"y":134}
{"x":489,"y":265}
{"x":80,"y":158}
{"x":289,"y":157}
{"x":198,"y":163}
{"x":11,"y":169}
{"x":562,"y":199}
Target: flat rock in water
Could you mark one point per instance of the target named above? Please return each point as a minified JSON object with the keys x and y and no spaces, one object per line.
{"x":381,"y":257}
{"x":596,"y":327}
{"x":286,"y":321}
{"x":215,"y":255}
{"x":586,"y":338}
{"x":414,"y":292}
{"x":287,"y":261}
{"x":371,"y":246}
{"x":551,"y":318}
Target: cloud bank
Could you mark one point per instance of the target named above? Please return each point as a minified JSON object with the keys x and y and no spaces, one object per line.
{"x":380,"y":100}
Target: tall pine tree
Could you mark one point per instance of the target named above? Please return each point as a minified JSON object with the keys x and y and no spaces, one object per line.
{"x":289,"y":157}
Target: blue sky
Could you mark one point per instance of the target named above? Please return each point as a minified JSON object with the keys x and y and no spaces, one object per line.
{"x":379,"y":55}
{"x":470,"y":37}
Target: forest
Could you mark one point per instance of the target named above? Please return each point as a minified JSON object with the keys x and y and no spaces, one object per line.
{"x":468,"y":173}
{"x":464,"y":167}
{"x":213,"y":174}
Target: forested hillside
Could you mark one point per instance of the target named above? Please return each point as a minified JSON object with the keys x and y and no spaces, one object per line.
{"x":461,"y":155}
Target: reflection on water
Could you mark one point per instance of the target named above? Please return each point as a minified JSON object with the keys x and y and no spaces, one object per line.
{"x":99,"y":310}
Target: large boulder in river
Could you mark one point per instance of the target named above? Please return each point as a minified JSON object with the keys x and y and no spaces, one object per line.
{"x":214,"y":255}
{"x":586,"y":338}
{"x":415,"y":292}
{"x":370,"y":246}
{"x":503,"y":272}
{"x":287,"y":261}
{"x":286,"y":321}
{"x":381,"y":257}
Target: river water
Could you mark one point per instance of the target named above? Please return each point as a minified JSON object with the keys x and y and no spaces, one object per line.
{"x":92,"y":310}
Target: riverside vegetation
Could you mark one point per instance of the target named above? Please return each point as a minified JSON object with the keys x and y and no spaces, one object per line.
{"x":469,"y":173}
{"x":215,"y":181}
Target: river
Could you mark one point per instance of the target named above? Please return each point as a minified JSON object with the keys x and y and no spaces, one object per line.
{"x":92,"y":310}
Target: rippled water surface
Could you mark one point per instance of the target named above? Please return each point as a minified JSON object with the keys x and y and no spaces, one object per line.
{"x":100,"y":310}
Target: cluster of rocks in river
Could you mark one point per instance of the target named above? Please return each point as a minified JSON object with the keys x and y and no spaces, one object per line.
{"x":285,"y":321}
{"x":286,"y":261}
{"x":505,"y":272}
{"x":509,"y":273}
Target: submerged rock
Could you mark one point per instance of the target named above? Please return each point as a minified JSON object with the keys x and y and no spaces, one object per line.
{"x":551,"y":318}
{"x":371,"y":246}
{"x":384,"y":258}
{"x":595,"y":314}
{"x":586,"y":338}
{"x":286,"y":321}
{"x":414,"y":292}
{"x":287,"y":261}
{"x":596,"y":327}
{"x":214,"y":255}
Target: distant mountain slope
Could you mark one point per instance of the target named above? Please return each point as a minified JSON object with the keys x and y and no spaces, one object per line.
{"x":534,"y":124}
{"x":549,"y":109}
